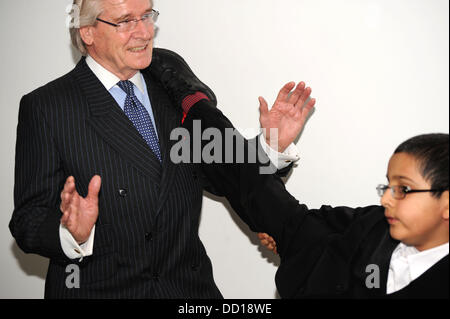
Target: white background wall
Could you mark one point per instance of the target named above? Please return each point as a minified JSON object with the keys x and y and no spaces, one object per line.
{"x":378,"y":68}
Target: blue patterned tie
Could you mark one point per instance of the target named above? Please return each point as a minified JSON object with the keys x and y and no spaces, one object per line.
{"x":137,"y":113}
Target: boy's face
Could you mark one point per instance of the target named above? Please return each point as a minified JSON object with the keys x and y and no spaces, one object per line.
{"x":418,"y":220}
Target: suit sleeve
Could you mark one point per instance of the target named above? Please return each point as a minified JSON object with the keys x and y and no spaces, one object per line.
{"x":39,"y":179}
{"x":260,"y":198}
{"x":283,"y":172}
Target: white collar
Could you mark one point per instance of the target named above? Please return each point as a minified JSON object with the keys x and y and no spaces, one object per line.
{"x":420,"y":261}
{"x":108,"y":79}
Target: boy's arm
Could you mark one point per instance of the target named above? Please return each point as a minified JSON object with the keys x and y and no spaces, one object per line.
{"x":240,"y":181}
{"x":261,"y":199}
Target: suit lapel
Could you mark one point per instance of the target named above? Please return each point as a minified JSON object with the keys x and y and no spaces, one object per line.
{"x":111,"y":123}
{"x":382,"y":257}
{"x":167,"y":118}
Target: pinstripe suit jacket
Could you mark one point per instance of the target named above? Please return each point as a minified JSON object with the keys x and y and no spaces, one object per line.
{"x":146,"y":240}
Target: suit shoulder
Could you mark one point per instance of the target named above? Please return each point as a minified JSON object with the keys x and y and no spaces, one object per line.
{"x":342,"y":218}
{"x":370,"y":214}
{"x":54,"y":95}
{"x":374,"y":210}
{"x":370,"y":211}
{"x":58,"y":86}
{"x":370,"y":217}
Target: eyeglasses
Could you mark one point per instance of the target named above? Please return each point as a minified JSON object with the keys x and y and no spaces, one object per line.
{"x":400,"y":192}
{"x":128,"y":25}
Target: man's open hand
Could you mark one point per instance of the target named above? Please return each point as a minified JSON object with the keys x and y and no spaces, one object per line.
{"x":288,"y":114}
{"x":80,"y":214}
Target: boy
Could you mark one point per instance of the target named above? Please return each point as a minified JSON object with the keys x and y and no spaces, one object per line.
{"x":416,"y":211}
{"x":397,"y":250}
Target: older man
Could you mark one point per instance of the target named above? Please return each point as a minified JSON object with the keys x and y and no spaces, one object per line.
{"x":95,"y":189}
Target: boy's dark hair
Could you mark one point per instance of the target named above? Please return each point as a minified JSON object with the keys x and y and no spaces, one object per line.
{"x":431,"y":151}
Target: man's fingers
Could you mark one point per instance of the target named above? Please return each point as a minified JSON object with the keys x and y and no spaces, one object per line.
{"x":74,"y":204}
{"x":68,"y":217}
{"x":263,"y":107}
{"x":64,"y":218}
{"x":309,"y":106}
{"x":94,"y":188}
{"x":67,"y":192}
{"x":284,"y":92}
{"x":305,"y":95}
{"x":307,"y":109}
{"x":65,"y":200}
{"x":263,"y":112}
{"x":293,"y":99}
{"x":69,"y":208}
{"x":69,"y":185}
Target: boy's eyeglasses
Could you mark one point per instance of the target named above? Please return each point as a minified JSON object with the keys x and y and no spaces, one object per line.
{"x":129,"y":25}
{"x":400,"y":192}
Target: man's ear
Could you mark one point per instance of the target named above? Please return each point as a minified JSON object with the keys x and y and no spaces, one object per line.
{"x":87,"y":34}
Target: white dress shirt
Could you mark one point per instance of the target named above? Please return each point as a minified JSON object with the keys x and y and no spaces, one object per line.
{"x":408,"y":264}
{"x":69,"y":245}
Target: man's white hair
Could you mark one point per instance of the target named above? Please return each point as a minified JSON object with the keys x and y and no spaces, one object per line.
{"x":88,"y":11}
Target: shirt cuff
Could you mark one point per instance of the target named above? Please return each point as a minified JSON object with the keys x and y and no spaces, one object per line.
{"x":70,"y":246}
{"x":280,"y":160}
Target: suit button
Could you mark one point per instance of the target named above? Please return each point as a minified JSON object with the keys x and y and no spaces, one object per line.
{"x":123,"y":192}
{"x":195,"y":176}
{"x":195,"y":267}
{"x":149,"y":236}
{"x":155,"y":276}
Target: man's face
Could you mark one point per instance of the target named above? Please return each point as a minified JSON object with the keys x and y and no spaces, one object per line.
{"x":122,"y":53}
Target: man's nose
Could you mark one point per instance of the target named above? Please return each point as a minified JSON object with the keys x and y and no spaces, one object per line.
{"x":144,"y":31}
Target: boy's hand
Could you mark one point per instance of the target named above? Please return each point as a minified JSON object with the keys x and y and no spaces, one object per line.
{"x":268,"y":241}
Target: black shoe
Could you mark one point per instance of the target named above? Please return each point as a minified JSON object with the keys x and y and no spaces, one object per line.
{"x":176,"y":76}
